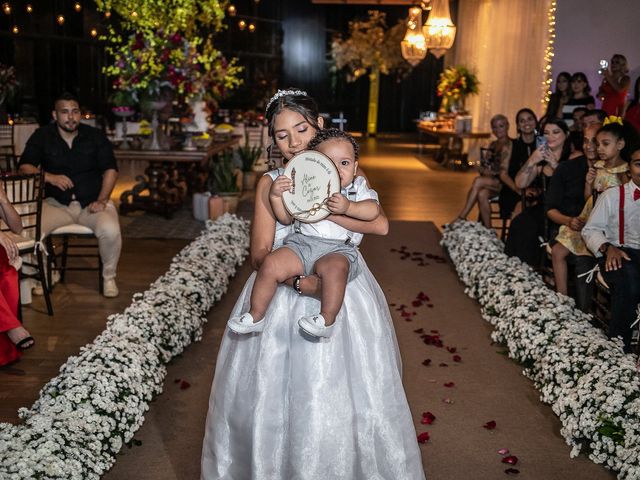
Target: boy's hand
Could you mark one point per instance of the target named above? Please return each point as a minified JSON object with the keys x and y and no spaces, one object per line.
{"x":280,"y":185}
{"x":338,"y":204}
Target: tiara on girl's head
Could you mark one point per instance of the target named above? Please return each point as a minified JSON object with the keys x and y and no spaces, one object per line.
{"x":612,"y":119}
{"x":282,"y":93}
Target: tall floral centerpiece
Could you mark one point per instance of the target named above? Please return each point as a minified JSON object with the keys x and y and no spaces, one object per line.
{"x":456,"y":83}
{"x":161,"y":54}
{"x":371,"y":48}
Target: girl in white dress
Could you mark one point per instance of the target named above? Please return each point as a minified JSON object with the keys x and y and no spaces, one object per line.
{"x":285,"y":408}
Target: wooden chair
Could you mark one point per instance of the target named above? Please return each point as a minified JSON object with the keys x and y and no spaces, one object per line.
{"x":25,"y":193}
{"x":77,"y":242}
{"x":8,"y":158}
{"x":498,"y":222}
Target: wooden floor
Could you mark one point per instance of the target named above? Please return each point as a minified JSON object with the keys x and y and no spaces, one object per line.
{"x":410,"y":187}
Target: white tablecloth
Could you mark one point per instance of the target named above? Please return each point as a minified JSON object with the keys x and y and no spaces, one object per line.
{"x":21,"y":133}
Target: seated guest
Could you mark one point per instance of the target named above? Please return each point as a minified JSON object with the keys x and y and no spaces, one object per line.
{"x":521,"y":150}
{"x":527,"y":227}
{"x":633,"y":110}
{"x":612,"y":233}
{"x":80,"y":173}
{"x":580,"y":97}
{"x":487,"y":184}
{"x":593,"y":117}
{"x":577,"y":115}
{"x":14,"y":338}
{"x":564,"y":203}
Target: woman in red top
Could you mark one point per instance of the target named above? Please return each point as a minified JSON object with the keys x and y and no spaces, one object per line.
{"x":13,"y":336}
{"x":633,"y":110}
{"x":614,"y":86}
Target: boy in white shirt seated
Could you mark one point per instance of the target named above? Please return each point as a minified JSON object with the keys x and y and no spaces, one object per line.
{"x":612,"y":233}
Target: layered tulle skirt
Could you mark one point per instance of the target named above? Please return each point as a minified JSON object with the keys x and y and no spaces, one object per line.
{"x":284,"y":406}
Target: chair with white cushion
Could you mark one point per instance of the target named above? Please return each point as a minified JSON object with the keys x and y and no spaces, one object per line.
{"x":25,"y":194}
{"x":73,"y":241}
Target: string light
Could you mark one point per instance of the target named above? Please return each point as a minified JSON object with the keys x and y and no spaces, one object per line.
{"x":252,"y":28}
{"x":77,"y":7}
{"x":29,"y":8}
{"x":60,"y":19}
{"x":107,"y":14}
{"x":6,"y":8}
{"x":134,"y":14}
{"x":94,"y":32}
{"x":548,"y":55}
{"x":231,"y":10}
{"x":242,"y":24}
{"x":15,"y":30}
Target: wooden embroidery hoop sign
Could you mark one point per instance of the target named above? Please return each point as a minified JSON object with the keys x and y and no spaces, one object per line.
{"x":315,"y":178}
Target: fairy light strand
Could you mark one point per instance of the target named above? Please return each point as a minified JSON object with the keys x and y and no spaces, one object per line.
{"x":548,"y":55}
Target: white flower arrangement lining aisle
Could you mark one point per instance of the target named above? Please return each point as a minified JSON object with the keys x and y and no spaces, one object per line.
{"x":590,"y":383}
{"x":96,"y":404}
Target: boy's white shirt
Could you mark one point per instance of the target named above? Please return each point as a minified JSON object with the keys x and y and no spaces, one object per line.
{"x":330,"y":230}
{"x":603,"y":223}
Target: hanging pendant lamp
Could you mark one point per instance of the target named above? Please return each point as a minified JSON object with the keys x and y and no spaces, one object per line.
{"x":439,"y":30}
{"x":413,"y":45}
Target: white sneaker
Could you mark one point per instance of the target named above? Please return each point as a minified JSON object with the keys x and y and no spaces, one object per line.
{"x":245,"y":324}
{"x":315,"y":325}
{"x":109,"y":288}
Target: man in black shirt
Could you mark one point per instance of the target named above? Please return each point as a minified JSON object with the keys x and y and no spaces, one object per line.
{"x":80,"y":173}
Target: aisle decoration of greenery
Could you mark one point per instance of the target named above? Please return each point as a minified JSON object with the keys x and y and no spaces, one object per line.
{"x":86,"y":414}
{"x":588,"y":380}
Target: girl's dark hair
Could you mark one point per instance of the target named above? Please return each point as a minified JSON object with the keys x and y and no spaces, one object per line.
{"x":296,"y":102}
{"x":625,"y":132}
{"x":566,"y":75}
{"x":525,"y":110}
{"x":334,"y":134}
{"x":583,"y":77}
{"x":566,"y":147}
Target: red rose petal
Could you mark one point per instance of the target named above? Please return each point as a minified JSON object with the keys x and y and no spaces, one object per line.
{"x":392,"y":304}
{"x":443,"y":364}
{"x":416,"y":303}
{"x":451,"y":349}
{"x":457,"y":358}
{"x":405,"y":314}
{"x":449,"y":384}
{"x":490,"y":425}
{"x":427,"y":418}
{"x":434,"y":331}
{"x":512,"y":471}
{"x":511,"y":460}
{"x":423,"y":437}
{"x":177,"y":380}
{"x":394,"y":250}
{"x":184,"y":385}
{"x":430,"y":305}
{"x":427,"y":362}
{"x":503,"y":451}
{"x":419,"y":330}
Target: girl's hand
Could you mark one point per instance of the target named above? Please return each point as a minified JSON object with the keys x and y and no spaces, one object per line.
{"x":591,"y":176}
{"x":9,"y":246}
{"x":338,"y":204}
{"x":280,"y":185}
{"x":576,"y":224}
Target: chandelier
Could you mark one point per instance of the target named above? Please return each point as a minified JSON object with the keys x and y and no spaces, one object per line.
{"x":439,"y":30}
{"x":413,"y":46}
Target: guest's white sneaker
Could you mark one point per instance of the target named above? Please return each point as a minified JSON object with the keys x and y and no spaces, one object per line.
{"x":315,"y":325}
{"x":245,"y":324}
{"x":109,"y":288}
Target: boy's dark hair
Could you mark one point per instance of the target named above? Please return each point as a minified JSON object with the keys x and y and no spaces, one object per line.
{"x":334,"y":134}
{"x":601,"y":114}
{"x":66,"y":97}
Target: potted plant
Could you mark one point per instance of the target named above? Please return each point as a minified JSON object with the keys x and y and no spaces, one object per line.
{"x":249,"y":155}
{"x":223,"y":179}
